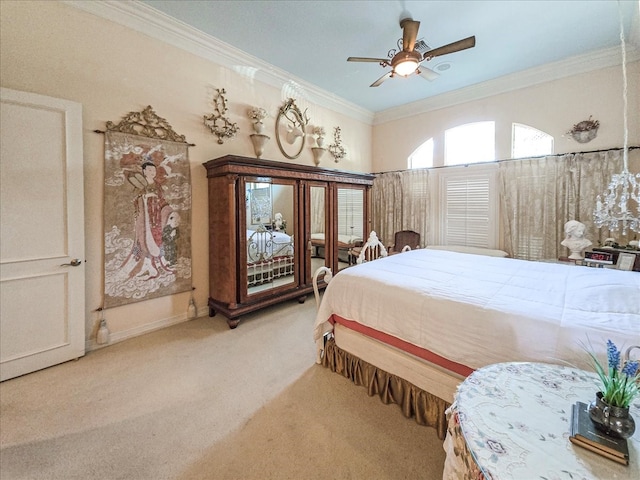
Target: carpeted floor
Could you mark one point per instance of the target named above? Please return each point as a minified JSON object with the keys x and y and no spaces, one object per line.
{"x":201,"y":401}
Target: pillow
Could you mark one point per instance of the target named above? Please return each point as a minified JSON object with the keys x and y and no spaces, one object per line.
{"x":473,"y":250}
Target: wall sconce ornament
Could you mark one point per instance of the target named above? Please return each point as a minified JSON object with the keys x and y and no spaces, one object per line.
{"x":336,"y":148}
{"x":259,"y":140}
{"x":220,"y":125}
{"x":291,"y":125}
{"x":319,"y":133}
{"x":585,"y":131}
{"x":318,"y":151}
{"x":257,"y":115}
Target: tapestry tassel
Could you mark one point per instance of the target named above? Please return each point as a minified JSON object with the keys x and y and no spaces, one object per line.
{"x":103,"y":332}
{"x":192,"y":310}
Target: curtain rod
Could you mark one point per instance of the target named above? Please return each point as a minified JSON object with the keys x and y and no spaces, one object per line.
{"x":633,"y":147}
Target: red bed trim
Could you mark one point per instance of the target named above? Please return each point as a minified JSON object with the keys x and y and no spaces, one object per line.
{"x":404,"y":346}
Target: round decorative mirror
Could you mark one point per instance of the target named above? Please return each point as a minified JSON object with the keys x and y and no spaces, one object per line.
{"x":291,"y":129}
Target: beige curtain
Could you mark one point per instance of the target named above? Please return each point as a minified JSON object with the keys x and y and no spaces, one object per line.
{"x":540,"y":195}
{"x":533,"y":196}
{"x":400,"y":201}
{"x":317,"y":210}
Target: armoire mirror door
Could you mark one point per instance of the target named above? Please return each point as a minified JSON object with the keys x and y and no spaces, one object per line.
{"x":350,"y":212}
{"x":319,"y":229}
{"x":270,"y":219}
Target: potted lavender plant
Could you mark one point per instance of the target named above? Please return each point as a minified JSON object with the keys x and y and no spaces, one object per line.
{"x":620,"y":384}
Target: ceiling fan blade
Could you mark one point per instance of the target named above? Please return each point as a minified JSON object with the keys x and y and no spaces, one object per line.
{"x":427,"y":73}
{"x":409,"y":34}
{"x":451,"y":48}
{"x":381,"y":79}
{"x":367,"y":59}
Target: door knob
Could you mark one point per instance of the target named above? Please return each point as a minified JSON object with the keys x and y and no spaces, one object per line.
{"x":74,"y":263}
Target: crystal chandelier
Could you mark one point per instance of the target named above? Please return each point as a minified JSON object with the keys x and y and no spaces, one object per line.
{"x":614,"y":208}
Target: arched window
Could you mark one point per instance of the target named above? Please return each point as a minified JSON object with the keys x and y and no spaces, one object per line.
{"x":470,"y":143}
{"x":422,"y":157}
{"x":530,"y":142}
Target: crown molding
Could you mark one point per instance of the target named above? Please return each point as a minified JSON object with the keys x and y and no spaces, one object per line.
{"x":144,"y":19}
{"x":599,"y":59}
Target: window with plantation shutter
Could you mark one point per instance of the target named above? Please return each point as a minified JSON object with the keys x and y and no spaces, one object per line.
{"x":351,"y":212}
{"x":468,"y":208}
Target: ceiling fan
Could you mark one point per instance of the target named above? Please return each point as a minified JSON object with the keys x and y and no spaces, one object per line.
{"x":408,"y":60}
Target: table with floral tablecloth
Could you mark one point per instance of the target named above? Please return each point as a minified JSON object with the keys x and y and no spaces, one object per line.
{"x":512,"y":420}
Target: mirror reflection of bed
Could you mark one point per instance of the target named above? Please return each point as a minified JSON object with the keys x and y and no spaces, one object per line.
{"x":270,"y":242}
{"x":270,"y":258}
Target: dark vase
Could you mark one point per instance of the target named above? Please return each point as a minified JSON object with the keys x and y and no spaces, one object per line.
{"x":614,"y":421}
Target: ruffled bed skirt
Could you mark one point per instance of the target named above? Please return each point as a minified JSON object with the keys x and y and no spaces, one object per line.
{"x":427,"y":409}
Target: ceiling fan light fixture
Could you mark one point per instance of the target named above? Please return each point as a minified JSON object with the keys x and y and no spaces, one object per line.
{"x":409,"y":60}
{"x":406,"y":67}
{"x":405,"y":63}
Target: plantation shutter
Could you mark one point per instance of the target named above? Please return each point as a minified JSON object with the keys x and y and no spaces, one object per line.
{"x":351,"y":212}
{"x":468,"y":211}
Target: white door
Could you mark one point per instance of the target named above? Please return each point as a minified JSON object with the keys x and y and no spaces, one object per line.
{"x":41,"y":232}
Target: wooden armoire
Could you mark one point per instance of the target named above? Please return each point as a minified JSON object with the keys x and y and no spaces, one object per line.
{"x":272,"y":224}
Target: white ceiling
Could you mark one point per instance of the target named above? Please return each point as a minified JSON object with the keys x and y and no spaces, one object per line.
{"x":311,"y":40}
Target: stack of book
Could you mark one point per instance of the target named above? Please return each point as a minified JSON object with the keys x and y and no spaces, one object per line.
{"x":583,"y":433}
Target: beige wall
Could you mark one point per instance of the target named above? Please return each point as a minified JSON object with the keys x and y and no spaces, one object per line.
{"x":553,"y":107}
{"x":52,"y":49}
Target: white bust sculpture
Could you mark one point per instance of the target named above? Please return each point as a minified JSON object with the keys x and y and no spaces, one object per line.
{"x":574,"y":240}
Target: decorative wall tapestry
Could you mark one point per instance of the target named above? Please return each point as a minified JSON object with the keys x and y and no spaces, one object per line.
{"x":147,"y":210}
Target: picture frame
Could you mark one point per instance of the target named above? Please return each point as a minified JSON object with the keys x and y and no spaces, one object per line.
{"x":260,"y":204}
{"x":626,"y":261}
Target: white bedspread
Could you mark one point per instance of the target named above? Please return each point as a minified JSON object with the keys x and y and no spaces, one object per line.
{"x":478,"y":310}
{"x":276,"y":237}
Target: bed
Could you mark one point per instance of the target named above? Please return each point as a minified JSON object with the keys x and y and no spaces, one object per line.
{"x":411,"y":326}
{"x":270,"y":255}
